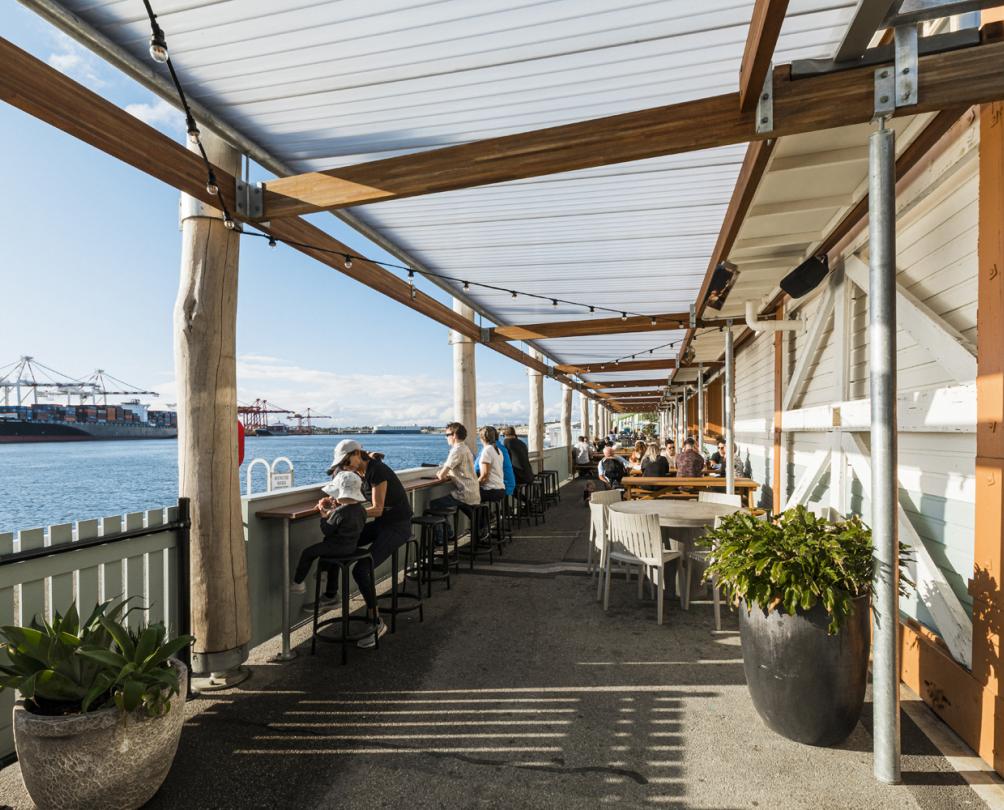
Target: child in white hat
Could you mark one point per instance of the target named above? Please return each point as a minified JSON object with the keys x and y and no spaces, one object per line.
{"x":343,"y":517}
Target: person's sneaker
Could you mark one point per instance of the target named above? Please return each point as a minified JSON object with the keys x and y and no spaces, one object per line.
{"x":371,"y":640}
{"x":297,"y":587}
{"x":328,"y":600}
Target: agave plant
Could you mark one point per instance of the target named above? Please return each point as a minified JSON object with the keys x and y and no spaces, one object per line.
{"x":796,"y":562}
{"x":66,"y":666}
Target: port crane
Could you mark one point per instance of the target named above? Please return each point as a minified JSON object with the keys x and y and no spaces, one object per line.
{"x":255,"y":416}
{"x":27,"y":379}
{"x":303,"y":421}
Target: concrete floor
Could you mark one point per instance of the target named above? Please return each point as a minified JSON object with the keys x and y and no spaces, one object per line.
{"x":519,"y":692}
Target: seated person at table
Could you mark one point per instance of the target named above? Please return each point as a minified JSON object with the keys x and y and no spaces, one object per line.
{"x":489,"y":466}
{"x":508,"y":471}
{"x":689,"y":463}
{"x":717,"y":461}
{"x":520,"y":456}
{"x":611,"y":468}
{"x":670,"y":454}
{"x":343,"y":517}
{"x":654,"y":464}
{"x":458,"y":468}
{"x":634,"y":460}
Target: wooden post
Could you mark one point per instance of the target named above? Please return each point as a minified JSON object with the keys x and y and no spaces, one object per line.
{"x":465,"y":382}
{"x":778,"y":410}
{"x":988,"y":575}
{"x":205,"y":333}
{"x":584,"y":416}
{"x":536,"y":427}
{"x":566,"y":421}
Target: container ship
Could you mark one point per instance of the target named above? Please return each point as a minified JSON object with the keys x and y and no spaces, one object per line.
{"x":23,"y":418}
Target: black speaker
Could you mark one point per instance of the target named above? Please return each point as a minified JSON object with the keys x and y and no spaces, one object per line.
{"x":806,"y":277}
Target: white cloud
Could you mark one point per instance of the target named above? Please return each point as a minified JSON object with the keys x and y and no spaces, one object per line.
{"x":76,"y":62}
{"x":158,"y":114}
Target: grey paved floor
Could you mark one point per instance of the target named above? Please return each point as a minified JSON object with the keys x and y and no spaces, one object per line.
{"x":519,"y":692}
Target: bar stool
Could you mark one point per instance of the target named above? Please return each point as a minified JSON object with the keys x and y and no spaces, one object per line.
{"x":500,"y":520}
{"x":536,"y":502}
{"x":344,"y":565}
{"x":413,"y":601}
{"x":553,"y":485}
{"x":449,"y":560}
{"x":422,"y":572}
{"x":480,"y":518}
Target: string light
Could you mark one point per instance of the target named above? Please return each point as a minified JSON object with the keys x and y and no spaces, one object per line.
{"x":623,"y":316}
{"x":653,"y":321}
{"x":467,"y":285}
{"x":514,"y":294}
{"x":348,"y":262}
{"x":554,"y":303}
{"x":271,"y":242}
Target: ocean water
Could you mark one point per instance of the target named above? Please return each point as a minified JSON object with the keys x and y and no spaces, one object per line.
{"x":59,"y":482}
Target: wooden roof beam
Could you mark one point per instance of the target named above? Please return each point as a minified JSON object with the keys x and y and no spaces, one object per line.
{"x":765,"y":27}
{"x":609,"y":366}
{"x":966,"y":76}
{"x":626,"y":383}
{"x":592,"y":326}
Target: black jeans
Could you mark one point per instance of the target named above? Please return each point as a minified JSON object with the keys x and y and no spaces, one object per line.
{"x":445,"y":533}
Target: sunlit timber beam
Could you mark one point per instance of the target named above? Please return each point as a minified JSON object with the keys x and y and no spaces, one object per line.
{"x":609,"y":366}
{"x":964,"y":76}
{"x":591,"y":326}
{"x":765,"y":27}
{"x":626,"y":383}
{"x":43,"y":92}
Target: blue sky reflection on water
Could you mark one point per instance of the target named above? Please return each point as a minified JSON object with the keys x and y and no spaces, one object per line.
{"x":60,"y":482}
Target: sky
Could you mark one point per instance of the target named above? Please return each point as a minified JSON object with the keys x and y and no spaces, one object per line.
{"x":89,"y":274}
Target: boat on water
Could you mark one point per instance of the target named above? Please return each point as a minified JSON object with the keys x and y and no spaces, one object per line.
{"x":395,"y":429}
{"x":86,"y":419}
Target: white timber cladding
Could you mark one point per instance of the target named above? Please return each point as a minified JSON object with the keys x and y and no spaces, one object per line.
{"x":826,"y":434}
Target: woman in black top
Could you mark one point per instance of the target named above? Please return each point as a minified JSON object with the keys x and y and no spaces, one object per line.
{"x":653,"y":463}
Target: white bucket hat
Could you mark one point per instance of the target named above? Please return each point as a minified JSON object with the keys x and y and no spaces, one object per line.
{"x":346,"y":486}
{"x":346,"y":447}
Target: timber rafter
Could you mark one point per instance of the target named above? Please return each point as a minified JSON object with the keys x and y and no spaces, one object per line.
{"x":591,"y":327}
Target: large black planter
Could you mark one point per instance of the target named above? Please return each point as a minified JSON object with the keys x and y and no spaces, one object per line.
{"x":806,"y":685}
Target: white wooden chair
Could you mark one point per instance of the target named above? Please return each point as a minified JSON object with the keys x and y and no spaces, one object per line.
{"x":597,"y":525}
{"x":720,"y":497}
{"x":637,"y":540}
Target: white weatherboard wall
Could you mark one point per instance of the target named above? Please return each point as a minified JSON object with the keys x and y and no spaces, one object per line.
{"x":937,"y":270}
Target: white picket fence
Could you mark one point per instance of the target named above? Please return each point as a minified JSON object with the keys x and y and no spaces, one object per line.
{"x":73,"y":562}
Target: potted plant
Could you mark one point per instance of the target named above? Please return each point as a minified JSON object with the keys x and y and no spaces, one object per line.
{"x":803,"y":586}
{"x":96,"y":726}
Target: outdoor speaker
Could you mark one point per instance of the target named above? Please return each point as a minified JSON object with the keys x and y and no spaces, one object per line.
{"x":806,"y":277}
{"x":723,"y":279}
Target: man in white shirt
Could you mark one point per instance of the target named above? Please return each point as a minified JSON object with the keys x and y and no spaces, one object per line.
{"x":458,"y":469}
{"x":582,"y":451}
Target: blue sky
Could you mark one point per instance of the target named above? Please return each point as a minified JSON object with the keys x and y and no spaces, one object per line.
{"x":89,"y":273}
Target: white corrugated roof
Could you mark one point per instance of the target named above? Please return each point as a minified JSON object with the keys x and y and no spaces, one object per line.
{"x":325,"y":83}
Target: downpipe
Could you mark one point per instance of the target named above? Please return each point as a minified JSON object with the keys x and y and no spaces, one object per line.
{"x":770,"y":326}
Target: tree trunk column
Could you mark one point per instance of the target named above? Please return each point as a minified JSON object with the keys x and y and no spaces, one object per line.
{"x":566,"y":422}
{"x":465,"y":384}
{"x":584,"y":415}
{"x":536,"y":427}
{"x":205,"y":332}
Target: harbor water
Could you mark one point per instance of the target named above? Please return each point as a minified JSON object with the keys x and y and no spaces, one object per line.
{"x":60,"y":482}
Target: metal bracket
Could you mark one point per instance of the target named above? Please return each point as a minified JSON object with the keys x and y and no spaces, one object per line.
{"x":693,"y":316}
{"x":250,"y":200}
{"x":885,"y":93}
{"x":765,"y":104}
{"x":486,"y":334}
{"x":906,"y":65}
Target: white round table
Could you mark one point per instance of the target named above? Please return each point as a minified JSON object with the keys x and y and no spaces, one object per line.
{"x":677,"y":514}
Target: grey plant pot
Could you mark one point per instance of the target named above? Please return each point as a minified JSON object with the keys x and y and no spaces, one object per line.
{"x":101,"y":760}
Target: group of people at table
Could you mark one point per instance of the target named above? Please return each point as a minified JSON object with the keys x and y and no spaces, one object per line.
{"x":649,"y":460}
{"x":366,"y":505}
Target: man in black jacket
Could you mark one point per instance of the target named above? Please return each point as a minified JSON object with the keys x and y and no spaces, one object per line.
{"x":519,"y":455}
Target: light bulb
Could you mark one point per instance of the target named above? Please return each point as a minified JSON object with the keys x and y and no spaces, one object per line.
{"x":211,"y":188}
{"x":592,"y":309}
{"x":348,"y":262}
{"x":158,"y":47}
{"x":653,"y":321}
{"x":467,"y":285}
{"x":623,"y":316}
{"x":271,"y":242}
{"x":554,"y":303}
{"x":229,"y":224}
{"x":513,"y":293}
{"x":411,"y":274}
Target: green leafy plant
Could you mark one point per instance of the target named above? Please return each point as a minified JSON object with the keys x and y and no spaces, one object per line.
{"x":67,"y":666}
{"x":796,"y":562}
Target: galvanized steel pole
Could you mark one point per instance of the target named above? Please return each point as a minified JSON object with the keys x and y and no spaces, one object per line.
{"x":884,"y":494}
{"x":730,"y":412}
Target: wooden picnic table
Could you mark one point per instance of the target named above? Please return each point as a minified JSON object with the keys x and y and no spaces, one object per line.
{"x":645,"y":488}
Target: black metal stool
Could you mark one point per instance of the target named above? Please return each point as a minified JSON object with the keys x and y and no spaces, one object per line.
{"x":499,"y":520}
{"x":536,"y":502}
{"x":423,"y":570}
{"x":413,"y":601}
{"x":450,"y":560}
{"x":344,"y":565}
{"x":553,"y":485}
{"x":480,"y":519}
